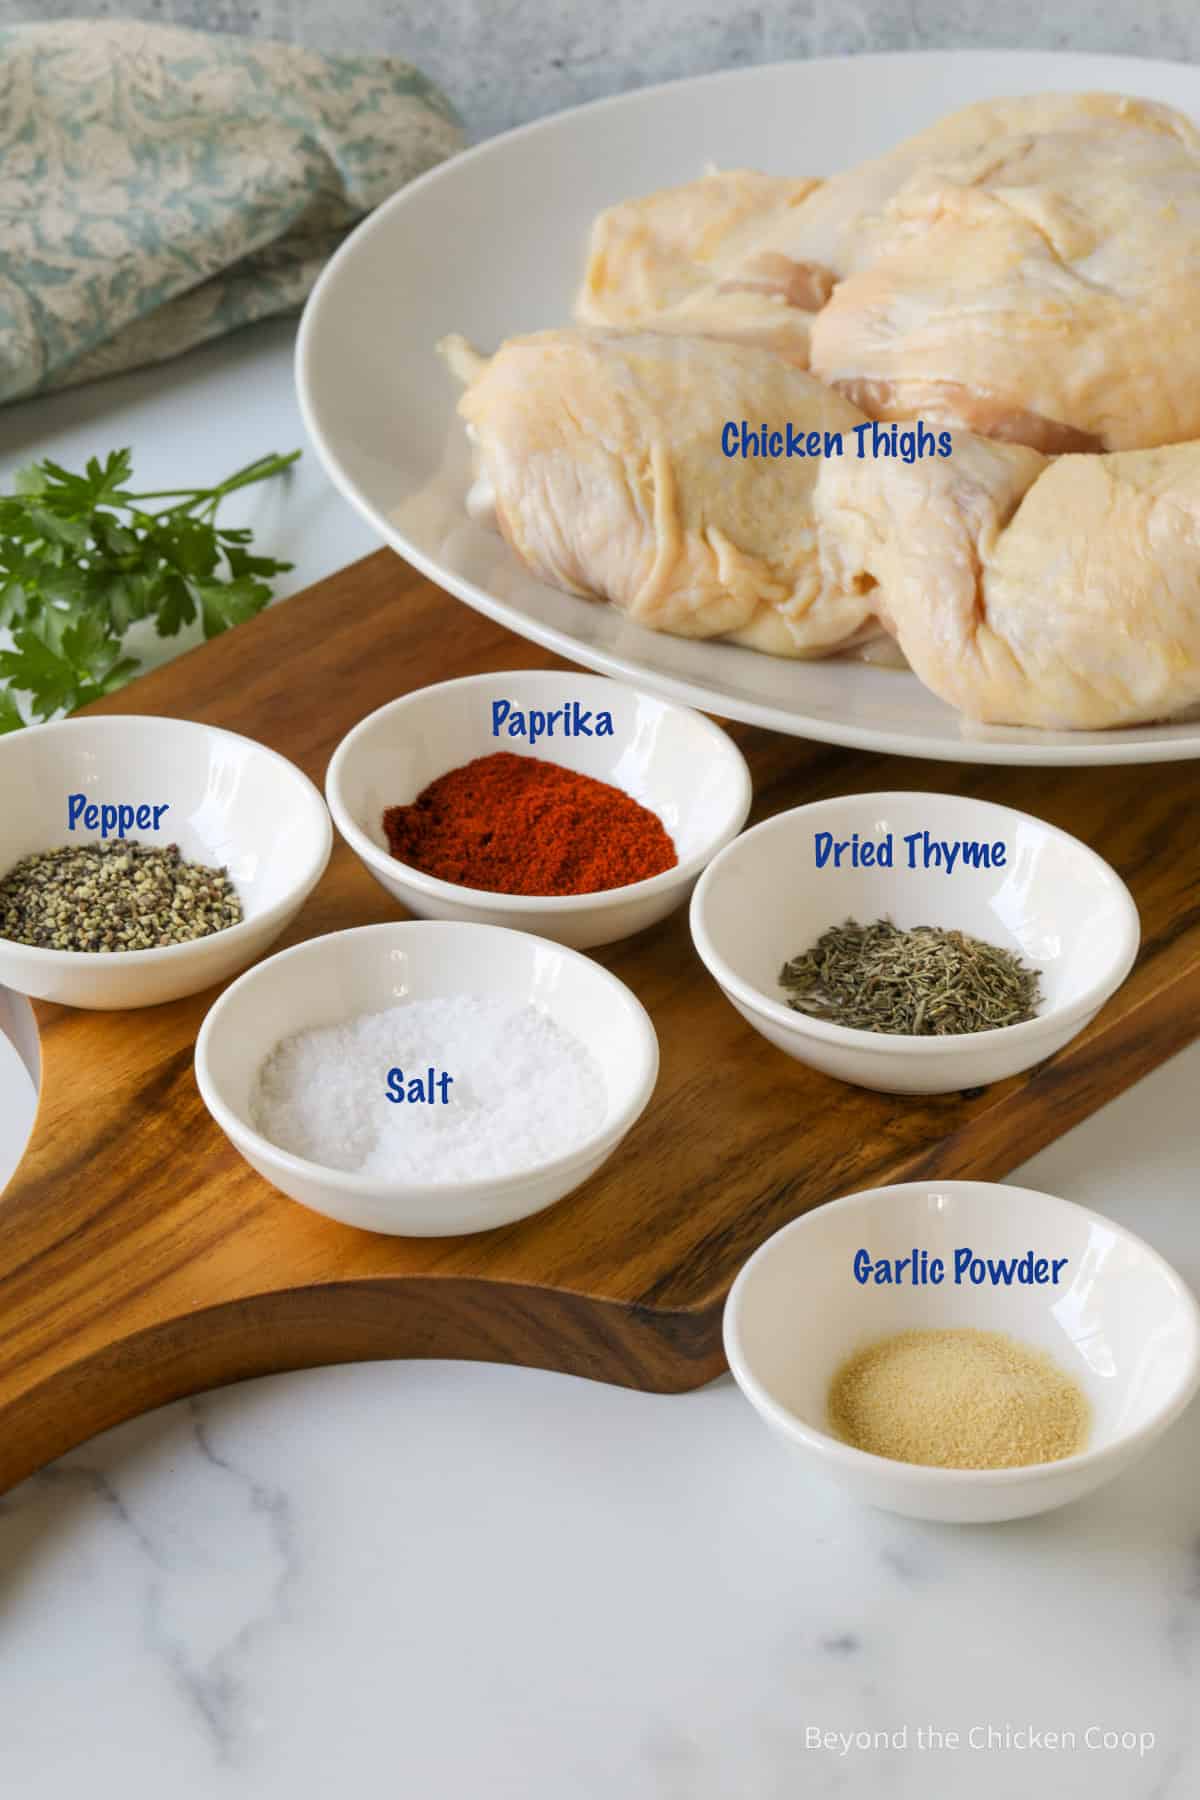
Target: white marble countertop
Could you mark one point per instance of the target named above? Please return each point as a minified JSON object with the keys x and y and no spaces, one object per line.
{"x":450,"y":1581}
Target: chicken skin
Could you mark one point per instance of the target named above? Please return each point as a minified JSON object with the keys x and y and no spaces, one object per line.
{"x":647,"y":256}
{"x":683,"y":260}
{"x":843,"y":221}
{"x":1045,"y":290}
{"x":603,"y":456}
{"x":1025,"y":591}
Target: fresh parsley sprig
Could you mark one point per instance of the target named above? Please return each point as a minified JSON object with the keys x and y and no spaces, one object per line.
{"x":82,"y":558}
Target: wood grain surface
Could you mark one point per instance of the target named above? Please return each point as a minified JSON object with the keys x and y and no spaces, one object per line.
{"x":141,"y":1259}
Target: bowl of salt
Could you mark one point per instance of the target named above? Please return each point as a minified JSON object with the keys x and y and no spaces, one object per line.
{"x":427,"y":1078}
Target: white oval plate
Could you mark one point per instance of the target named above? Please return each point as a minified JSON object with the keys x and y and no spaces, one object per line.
{"x":492,"y":243}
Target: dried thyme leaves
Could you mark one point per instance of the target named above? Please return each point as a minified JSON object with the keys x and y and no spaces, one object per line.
{"x":122,"y":896}
{"x":926,"y":982}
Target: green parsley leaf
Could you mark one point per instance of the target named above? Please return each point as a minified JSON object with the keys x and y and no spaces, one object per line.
{"x":39,"y":668}
{"x":176,"y":608}
{"x":226,"y":603}
{"x":83,"y":558}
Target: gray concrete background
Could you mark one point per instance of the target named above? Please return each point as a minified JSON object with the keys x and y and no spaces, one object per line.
{"x":505,"y":61}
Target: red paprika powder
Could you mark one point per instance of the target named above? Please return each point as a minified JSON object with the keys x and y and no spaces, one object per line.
{"x":511,"y":824}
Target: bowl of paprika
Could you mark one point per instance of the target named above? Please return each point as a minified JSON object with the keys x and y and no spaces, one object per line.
{"x":544,"y":800}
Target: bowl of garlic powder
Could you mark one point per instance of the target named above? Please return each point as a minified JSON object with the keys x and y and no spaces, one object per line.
{"x":962,"y":1350}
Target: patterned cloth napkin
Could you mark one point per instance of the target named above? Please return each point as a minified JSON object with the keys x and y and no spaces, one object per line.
{"x":159,"y":186}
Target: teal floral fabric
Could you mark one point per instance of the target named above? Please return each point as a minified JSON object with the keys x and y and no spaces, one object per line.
{"x":159,"y":186}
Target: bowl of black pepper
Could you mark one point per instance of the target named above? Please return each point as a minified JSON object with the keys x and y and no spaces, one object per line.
{"x":144,"y":859}
{"x":914,"y":943}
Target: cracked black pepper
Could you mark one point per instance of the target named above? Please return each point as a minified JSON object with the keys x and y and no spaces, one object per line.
{"x":108,"y":897}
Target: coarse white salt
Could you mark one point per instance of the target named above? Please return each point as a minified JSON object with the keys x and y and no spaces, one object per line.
{"x":523,"y":1092}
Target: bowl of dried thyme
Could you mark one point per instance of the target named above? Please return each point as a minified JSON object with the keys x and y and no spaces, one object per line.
{"x":914,"y":943}
{"x":143,"y":859}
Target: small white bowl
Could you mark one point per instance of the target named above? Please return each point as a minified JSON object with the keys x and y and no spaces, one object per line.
{"x":231,"y":803}
{"x":329,"y":980}
{"x":1120,"y":1322}
{"x":1054,"y":902}
{"x":672,"y":760}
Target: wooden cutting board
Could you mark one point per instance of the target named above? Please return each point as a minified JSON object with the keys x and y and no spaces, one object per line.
{"x":141,"y":1259}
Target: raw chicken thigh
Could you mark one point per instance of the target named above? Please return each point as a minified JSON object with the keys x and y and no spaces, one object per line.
{"x":682,"y":260}
{"x":648,"y":255}
{"x":1043,"y":289}
{"x":603,"y":456}
{"x":1063,"y":594}
{"x":842,"y":222}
